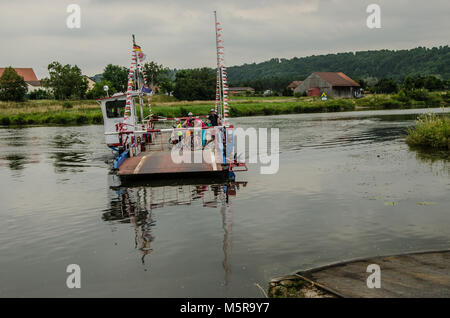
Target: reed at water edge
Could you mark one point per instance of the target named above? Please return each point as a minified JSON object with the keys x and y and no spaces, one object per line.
{"x":430,"y":131}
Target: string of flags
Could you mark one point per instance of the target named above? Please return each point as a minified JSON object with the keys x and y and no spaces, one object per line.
{"x":135,"y":69}
{"x":145,"y":88}
{"x":217,"y":91}
{"x":139,"y":52}
{"x":222,"y":84}
{"x":131,"y":73}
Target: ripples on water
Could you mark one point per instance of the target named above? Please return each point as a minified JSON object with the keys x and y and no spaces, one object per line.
{"x":348,"y":186}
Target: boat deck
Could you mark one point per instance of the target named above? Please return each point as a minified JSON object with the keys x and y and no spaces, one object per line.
{"x":157,"y":160}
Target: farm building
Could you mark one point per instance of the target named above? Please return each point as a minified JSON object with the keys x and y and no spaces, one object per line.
{"x":294,"y":85}
{"x":240,"y":90}
{"x":332,"y":84}
{"x":28,"y":75}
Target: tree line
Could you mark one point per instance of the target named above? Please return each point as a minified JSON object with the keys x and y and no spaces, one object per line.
{"x":409,"y":83}
{"x":67,"y":82}
{"x":362,"y":64}
{"x":377,"y":71}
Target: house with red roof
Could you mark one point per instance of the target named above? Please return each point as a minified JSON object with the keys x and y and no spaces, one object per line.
{"x":293,"y":85}
{"x":28,"y":75}
{"x":333,"y":84}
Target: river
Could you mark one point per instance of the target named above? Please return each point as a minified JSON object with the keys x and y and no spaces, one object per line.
{"x":348,"y":187}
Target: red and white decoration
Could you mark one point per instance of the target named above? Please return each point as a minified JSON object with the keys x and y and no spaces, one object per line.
{"x":222,"y":84}
{"x":135,"y":69}
{"x":131,"y":73}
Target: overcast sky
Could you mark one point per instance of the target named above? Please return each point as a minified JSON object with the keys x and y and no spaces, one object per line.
{"x":180,"y":33}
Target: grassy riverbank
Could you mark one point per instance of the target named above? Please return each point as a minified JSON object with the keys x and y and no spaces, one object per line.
{"x":51,"y":112}
{"x":84,"y":112}
{"x":410,"y":99}
{"x":430,"y":131}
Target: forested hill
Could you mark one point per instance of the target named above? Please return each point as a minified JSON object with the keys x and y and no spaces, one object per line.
{"x":358,"y":65}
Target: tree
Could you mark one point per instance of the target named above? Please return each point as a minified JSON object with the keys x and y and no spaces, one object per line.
{"x":98,"y":92}
{"x":447,"y":84}
{"x":408,"y":83}
{"x":158,"y":75}
{"x":287,"y":92}
{"x":433,"y":83}
{"x":429,"y":82}
{"x":419,"y":82}
{"x":40,"y":94}
{"x":195,"y":84}
{"x":362,"y":83}
{"x":117,"y":76}
{"x":386,"y":86}
{"x":65,"y":81}
{"x":12,"y":86}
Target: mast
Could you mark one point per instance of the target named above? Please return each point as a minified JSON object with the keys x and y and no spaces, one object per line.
{"x":219,"y":90}
{"x":129,"y":107}
{"x":222,"y":84}
{"x":139,"y":82}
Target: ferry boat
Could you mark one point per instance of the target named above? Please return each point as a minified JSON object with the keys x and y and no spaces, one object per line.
{"x":143,"y":149}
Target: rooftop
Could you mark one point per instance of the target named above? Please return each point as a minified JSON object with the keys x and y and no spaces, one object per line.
{"x":294,"y":84}
{"x":337,"y":79}
{"x":26,"y":72}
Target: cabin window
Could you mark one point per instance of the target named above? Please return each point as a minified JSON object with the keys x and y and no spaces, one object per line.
{"x":115,"y":108}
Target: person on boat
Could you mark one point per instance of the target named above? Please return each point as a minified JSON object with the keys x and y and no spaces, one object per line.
{"x":189,"y":122}
{"x":178,"y":125}
{"x":214,"y":119}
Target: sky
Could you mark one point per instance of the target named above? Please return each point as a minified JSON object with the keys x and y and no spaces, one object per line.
{"x":180,"y":33}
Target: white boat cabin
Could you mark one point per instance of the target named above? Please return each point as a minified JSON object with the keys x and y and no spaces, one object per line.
{"x":113,"y":109}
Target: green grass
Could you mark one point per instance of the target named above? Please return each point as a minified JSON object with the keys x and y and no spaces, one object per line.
{"x":69,"y":117}
{"x":238,"y":109}
{"x":430,"y":131}
{"x":50,"y":112}
{"x":88,"y":112}
{"x":259,"y":98}
{"x":402,"y":100}
{"x":278,"y":108}
{"x":163,"y":99}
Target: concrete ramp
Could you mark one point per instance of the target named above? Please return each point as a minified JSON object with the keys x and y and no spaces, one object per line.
{"x":415,"y":275}
{"x":421,"y":275}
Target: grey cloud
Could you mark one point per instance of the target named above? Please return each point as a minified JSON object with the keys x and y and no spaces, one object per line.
{"x":180,"y":33}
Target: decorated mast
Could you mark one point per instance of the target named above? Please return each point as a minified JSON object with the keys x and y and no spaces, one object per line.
{"x":137,"y":79}
{"x":129,"y":108}
{"x":139,"y":82}
{"x":222,"y":84}
{"x":218,"y":84}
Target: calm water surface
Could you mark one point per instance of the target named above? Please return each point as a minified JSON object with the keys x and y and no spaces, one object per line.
{"x":348,"y":187}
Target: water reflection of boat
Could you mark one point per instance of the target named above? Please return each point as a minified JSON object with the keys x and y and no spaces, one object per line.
{"x":135,"y":204}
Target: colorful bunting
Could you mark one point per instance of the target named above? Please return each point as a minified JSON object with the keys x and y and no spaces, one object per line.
{"x":222,"y":86}
{"x":127,"y":112}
